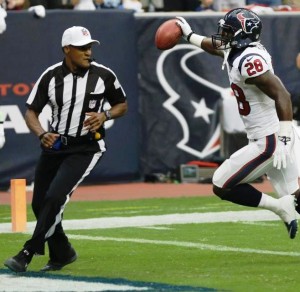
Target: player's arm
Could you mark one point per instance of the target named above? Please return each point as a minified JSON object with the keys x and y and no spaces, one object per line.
{"x":200,"y":41}
{"x":271,"y":85}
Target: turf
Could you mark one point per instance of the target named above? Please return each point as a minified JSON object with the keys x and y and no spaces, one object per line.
{"x":234,"y":256}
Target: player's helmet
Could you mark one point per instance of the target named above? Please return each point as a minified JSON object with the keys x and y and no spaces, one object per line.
{"x":237,"y":29}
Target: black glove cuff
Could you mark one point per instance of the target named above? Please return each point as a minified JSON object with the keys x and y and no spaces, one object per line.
{"x":189,"y":36}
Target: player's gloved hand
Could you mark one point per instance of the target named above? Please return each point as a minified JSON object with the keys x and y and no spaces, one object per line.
{"x":39,"y":10}
{"x":282,"y":153}
{"x":3,"y":14}
{"x":185,"y":27}
{"x":284,"y":144}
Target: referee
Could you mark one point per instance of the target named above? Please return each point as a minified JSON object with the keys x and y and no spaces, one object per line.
{"x":76,"y":90}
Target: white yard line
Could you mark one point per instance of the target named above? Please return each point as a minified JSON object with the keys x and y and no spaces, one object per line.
{"x":12,"y":282}
{"x":202,"y":246}
{"x":153,"y":220}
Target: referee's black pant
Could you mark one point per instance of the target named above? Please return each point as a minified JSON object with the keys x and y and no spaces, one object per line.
{"x":57,"y":175}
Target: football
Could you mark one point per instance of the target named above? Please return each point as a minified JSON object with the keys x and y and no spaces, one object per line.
{"x":167,"y":35}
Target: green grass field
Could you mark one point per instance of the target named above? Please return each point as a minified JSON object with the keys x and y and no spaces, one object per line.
{"x":232,"y":256}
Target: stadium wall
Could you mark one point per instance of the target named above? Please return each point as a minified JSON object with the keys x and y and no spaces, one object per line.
{"x":160,"y":130}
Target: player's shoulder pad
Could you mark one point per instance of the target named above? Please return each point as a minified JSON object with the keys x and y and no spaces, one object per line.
{"x":253,"y":64}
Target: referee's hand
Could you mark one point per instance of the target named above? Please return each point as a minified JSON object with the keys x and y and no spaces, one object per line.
{"x":48,"y":139}
{"x":94,"y":121}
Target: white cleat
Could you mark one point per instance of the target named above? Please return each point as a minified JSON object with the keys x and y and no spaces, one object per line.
{"x":288,"y":214}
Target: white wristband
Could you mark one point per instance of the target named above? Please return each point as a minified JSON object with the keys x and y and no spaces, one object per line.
{"x":196,"y":39}
{"x":285,"y":128}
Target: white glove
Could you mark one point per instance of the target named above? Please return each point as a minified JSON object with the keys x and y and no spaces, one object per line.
{"x":284,"y":145}
{"x":3,"y":14}
{"x":39,"y":10}
{"x":185,"y":27}
{"x":282,"y":152}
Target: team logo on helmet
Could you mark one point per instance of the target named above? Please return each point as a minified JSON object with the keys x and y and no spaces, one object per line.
{"x":247,"y":23}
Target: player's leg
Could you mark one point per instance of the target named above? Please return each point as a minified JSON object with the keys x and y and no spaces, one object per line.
{"x":286,"y":186}
{"x":231,"y":181}
{"x":284,"y":181}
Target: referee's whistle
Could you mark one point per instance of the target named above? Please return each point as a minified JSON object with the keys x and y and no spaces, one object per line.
{"x":97,"y":136}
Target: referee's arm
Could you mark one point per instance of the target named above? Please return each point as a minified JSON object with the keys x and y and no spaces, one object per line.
{"x":33,"y":123}
{"x":118,"y":110}
{"x":96,"y":120}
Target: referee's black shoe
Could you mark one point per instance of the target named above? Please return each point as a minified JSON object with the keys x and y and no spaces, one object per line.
{"x":56,"y":266}
{"x":19,"y":262}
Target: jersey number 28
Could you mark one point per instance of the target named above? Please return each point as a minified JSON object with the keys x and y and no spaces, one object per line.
{"x":243,"y":104}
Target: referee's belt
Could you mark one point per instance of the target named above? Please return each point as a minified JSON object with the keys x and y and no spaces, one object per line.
{"x":69,"y":140}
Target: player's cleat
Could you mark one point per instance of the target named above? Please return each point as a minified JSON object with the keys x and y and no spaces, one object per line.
{"x":292,"y":228}
{"x":56,"y":266}
{"x":19,"y":262}
{"x":288,"y":214}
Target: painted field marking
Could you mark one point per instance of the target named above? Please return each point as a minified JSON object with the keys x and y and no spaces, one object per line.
{"x":266,"y":224}
{"x":145,"y":221}
{"x":154,"y":220}
{"x":156,"y":227}
{"x":11,"y":282}
{"x":186,"y":244}
{"x":37,"y":282}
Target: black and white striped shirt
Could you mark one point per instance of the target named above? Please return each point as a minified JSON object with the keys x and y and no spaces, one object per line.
{"x":70,"y":95}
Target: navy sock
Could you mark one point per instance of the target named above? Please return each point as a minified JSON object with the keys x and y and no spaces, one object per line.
{"x":244,"y":194}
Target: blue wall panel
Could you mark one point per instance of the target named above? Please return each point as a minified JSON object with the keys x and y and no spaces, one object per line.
{"x":152,"y":136}
{"x":27,"y":48}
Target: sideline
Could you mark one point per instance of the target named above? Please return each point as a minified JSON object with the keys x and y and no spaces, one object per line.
{"x":153,"y":220}
{"x":199,"y":245}
{"x":136,"y":191}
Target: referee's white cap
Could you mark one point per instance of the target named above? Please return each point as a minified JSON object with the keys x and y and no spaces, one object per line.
{"x":77,"y":36}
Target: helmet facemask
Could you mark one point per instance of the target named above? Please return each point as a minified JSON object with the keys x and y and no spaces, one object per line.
{"x":238,"y":29}
{"x":224,"y":38}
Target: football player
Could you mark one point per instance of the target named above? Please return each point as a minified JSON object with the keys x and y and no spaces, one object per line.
{"x":265,"y":107}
